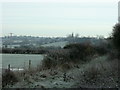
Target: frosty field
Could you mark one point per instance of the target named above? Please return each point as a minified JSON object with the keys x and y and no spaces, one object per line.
{"x":20,"y":60}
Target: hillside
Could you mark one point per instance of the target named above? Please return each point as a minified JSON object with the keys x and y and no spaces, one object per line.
{"x":76,"y":77}
{"x":56,"y":44}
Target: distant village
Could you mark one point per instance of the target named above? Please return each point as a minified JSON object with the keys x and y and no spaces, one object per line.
{"x":36,"y":42}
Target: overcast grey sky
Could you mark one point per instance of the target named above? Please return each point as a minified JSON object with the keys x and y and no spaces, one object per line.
{"x":59,"y":18}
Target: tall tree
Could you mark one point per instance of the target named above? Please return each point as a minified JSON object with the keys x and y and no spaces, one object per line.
{"x":116,"y":36}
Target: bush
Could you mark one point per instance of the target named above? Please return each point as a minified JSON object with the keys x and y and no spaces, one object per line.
{"x":66,"y":66}
{"x":101,"y":50}
{"x":8,"y":78}
{"x":100,"y":74}
{"x":48,"y":62}
{"x":72,"y":53}
{"x":55,"y":58}
{"x":80,"y":51}
{"x":91,"y":73}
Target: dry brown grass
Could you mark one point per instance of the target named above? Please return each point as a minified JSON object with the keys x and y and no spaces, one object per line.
{"x":103,"y":73}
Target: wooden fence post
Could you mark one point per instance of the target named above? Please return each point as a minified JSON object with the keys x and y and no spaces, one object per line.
{"x":24,"y":65}
{"x":29,"y":64}
{"x":8,"y":67}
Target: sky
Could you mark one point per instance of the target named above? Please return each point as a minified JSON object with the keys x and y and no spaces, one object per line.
{"x":58,"y":17}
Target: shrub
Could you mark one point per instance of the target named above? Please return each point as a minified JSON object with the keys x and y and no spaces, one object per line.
{"x":55,"y":58}
{"x":8,"y":78}
{"x":72,"y":53}
{"x":101,"y":50}
{"x":66,"y":66}
{"x":112,"y":55}
{"x":48,"y":62}
{"x":91,"y":73}
{"x":80,"y":51}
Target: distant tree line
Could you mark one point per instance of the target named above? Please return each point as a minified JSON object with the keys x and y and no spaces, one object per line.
{"x":24,"y":51}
